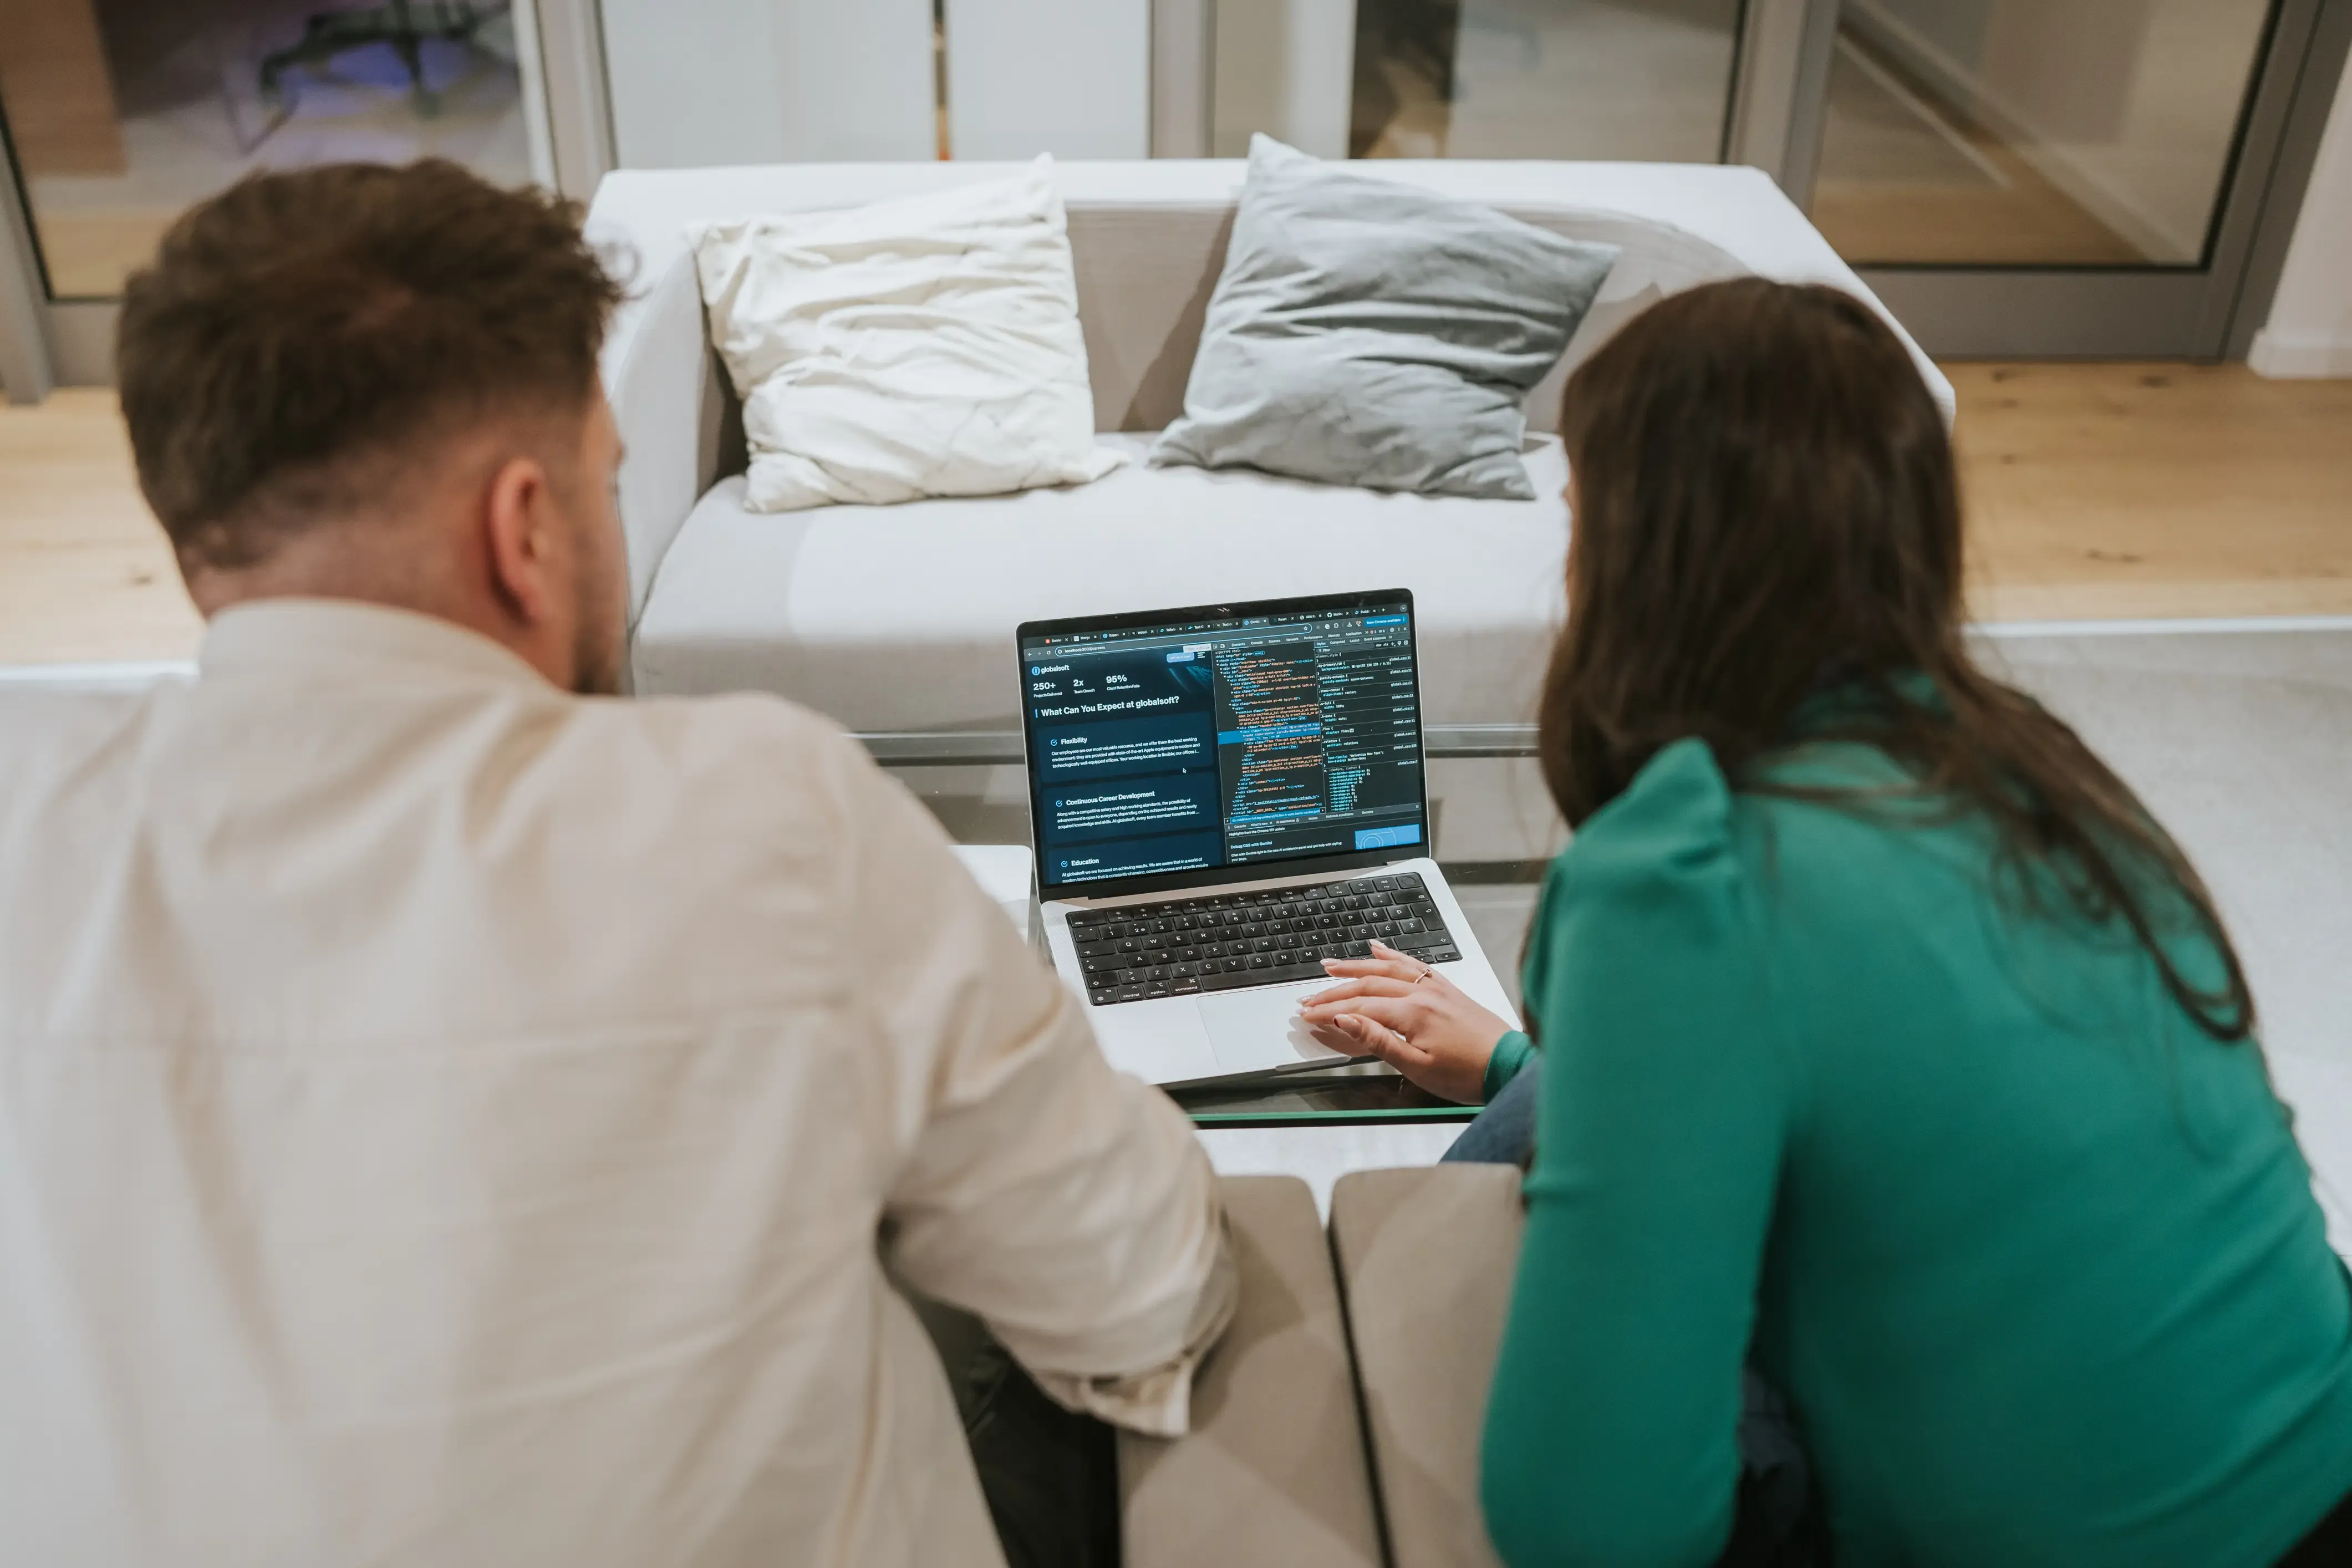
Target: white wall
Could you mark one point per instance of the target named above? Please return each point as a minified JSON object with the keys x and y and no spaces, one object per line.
{"x":2310,"y":329}
{"x":698,"y":82}
{"x":1072,"y":78}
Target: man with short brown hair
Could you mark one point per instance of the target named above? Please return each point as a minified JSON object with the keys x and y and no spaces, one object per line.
{"x":323,"y":368}
{"x":447,"y":1115}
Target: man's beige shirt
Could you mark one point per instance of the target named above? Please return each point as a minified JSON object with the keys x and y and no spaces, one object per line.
{"x":445,"y":1120}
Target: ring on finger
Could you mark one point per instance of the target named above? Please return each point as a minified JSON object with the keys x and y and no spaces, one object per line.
{"x":1426,"y":971}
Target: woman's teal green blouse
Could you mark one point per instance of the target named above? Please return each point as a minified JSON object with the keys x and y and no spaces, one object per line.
{"x":2035,"y":1260}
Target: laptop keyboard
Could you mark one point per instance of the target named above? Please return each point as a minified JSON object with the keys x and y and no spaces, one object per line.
{"x":1138,"y":952}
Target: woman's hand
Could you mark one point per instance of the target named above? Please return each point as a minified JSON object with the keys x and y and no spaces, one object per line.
{"x":1395,"y":1006}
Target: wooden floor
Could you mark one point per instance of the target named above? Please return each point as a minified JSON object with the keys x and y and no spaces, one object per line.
{"x":2099,"y":491}
{"x":84,"y":570}
{"x":2094,"y":492}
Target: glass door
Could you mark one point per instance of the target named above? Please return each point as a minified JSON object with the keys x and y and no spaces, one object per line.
{"x":2054,"y":133}
{"x":2017,"y":178}
{"x":1640,"y":79}
{"x":2054,"y":177}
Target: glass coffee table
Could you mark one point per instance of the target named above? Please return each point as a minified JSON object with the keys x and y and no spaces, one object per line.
{"x":1358,"y":1093}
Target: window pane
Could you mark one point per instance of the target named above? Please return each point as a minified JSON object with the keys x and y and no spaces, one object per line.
{"x":1644,"y":79}
{"x":2051,"y":132}
{"x":124,"y":112}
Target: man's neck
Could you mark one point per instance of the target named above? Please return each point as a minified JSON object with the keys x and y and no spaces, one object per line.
{"x":311,"y":568}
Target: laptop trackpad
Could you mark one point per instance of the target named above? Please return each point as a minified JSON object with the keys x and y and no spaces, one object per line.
{"x":1253,"y":1031}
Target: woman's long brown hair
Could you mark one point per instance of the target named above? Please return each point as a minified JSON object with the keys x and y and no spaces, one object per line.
{"x":1765,"y":509}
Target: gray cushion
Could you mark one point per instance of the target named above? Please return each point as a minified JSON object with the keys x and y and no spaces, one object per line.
{"x":1272,"y":1474}
{"x":1426,"y":1260}
{"x":1366,"y":333}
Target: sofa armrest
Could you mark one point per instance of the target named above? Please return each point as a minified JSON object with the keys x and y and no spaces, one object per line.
{"x":1426,"y":1259}
{"x":1272,"y":1470}
{"x":670,"y":400}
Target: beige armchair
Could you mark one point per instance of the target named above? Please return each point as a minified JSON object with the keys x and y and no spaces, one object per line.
{"x":1273,"y":1471}
{"x":1425,"y":1260}
{"x":1383,"y":1335}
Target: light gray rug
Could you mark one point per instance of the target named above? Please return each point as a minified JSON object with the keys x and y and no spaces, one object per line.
{"x":2240,"y":743}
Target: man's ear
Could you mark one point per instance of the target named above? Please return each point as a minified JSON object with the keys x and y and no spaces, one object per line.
{"x":520,"y":539}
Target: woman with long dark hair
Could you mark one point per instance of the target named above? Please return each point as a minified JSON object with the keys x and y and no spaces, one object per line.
{"x":1886,"y":1041}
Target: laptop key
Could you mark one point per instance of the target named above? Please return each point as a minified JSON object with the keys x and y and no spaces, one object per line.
{"x":1267,"y":977}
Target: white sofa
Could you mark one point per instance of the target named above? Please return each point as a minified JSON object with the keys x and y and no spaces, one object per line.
{"x":897,"y":621}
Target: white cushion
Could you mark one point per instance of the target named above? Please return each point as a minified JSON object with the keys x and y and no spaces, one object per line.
{"x":901,"y":618}
{"x":926,"y":346}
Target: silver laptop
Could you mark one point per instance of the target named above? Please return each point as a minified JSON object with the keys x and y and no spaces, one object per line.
{"x":1220,"y":797}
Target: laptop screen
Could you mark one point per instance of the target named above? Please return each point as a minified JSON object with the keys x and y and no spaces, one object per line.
{"x":1169,"y":745}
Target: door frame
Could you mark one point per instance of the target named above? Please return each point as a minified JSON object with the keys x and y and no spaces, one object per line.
{"x":28,"y":363}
